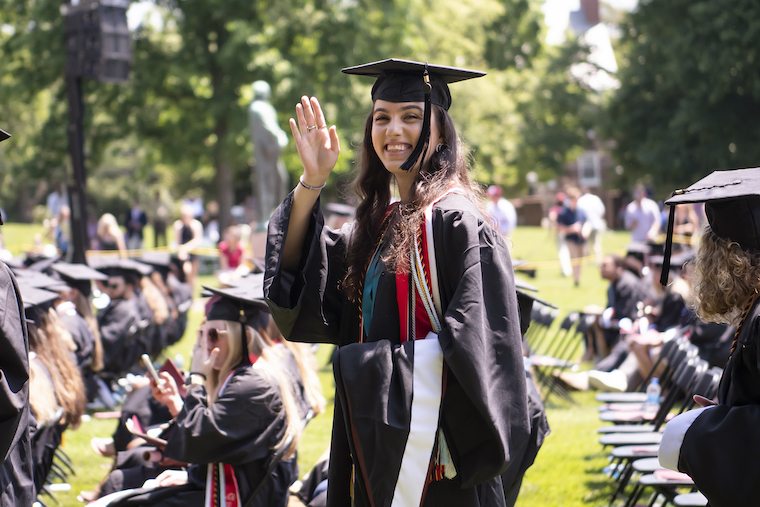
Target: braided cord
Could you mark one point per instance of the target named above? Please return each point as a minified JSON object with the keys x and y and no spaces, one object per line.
{"x":741,"y":323}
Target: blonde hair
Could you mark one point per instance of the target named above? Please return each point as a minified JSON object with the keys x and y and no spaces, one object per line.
{"x":42,"y":394}
{"x":155,"y":299}
{"x":307,"y":367}
{"x":108,"y":225}
{"x":725,"y":277}
{"x":270,"y":366}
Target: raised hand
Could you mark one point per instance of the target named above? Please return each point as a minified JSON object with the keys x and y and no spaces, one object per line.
{"x":317,"y":145}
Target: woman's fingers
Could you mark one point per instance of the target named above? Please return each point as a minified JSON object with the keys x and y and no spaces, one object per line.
{"x":294,"y":130}
{"x":319,"y":116}
{"x":308,"y":112}
{"x":334,"y":141}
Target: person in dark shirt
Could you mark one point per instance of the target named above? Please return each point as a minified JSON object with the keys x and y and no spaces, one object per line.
{"x":573,"y":223}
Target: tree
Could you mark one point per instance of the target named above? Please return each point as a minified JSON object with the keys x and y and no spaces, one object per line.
{"x":689,"y":92}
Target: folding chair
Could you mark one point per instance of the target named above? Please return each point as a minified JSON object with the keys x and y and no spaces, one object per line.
{"x":546,"y":318}
{"x":639,"y":396}
{"x":566,"y":355}
{"x":626,"y":452}
{"x":653,"y":475}
{"x":695,"y":499}
{"x":544,"y":363}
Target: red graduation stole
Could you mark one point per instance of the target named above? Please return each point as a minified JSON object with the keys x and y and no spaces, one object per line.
{"x":221,"y":486}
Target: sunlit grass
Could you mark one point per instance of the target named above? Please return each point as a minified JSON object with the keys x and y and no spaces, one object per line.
{"x":567,"y":471}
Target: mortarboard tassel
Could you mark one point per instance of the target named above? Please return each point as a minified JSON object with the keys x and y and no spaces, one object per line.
{"x":245,"y":360}
{"x":668,"y":246}
{"x":422,"y":144}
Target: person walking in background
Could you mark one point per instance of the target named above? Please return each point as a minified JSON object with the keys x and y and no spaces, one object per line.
{"x":642,"y":217}
{"x":160,"y":219}
{"x":501,"y":211}
{"x":136,"y":222}
{"x":563,"y":254}
{"x":188,"y":232}
{"x":594,"y":208}
{"x":109,"y":236}
{"x":574,"y":225}
{"x":56,"y":199}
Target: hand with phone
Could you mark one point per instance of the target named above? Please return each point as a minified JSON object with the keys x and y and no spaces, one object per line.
{"x":164,"y":388}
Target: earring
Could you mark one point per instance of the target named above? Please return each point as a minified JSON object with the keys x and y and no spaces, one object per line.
{"x":440,"y":147}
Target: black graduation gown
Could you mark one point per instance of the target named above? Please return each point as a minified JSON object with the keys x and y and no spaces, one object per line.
{"x":484,"y":410}
{"x":16,"y":484}
{"x":118,"y":328}
{"x":720,"y":449}
{"x":240,"y":429}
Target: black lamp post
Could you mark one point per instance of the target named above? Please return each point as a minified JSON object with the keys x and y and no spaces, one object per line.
{"x":97,"y":47}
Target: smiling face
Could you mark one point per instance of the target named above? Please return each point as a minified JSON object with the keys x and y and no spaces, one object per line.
{"x":216,"y":337}
{"x":396,"y":128}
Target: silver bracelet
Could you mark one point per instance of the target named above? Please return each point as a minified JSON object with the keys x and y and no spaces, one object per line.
{"x":304,"y":185}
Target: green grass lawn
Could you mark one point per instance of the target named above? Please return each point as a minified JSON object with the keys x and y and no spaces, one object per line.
{"x":567,"y":471}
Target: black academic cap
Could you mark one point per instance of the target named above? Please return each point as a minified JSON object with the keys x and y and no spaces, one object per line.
{"x":130,"y":269}
{"x":732,"y":206}
{"x":42,"y":265}
{"x":35,"y":300}
{"x":4,"y":135}
{"x":42,"y":281}
{"x":244,"y":304}
{"x":79,"y":276}
{"x":408,"y":81}
{"x":160,"y":261}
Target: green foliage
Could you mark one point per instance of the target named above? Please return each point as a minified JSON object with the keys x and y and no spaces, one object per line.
{"x":690,"y":91}
{"x":180,"y":123}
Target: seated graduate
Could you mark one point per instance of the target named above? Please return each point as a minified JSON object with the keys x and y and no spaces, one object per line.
{"x":57,"y":395}
{"x":119,"y":320}
{"x":173,"y":326}
{"x":297,"y":358}
{"x":76,"y":312}
{"x":239,"y":412}
{"x":718,"y":445}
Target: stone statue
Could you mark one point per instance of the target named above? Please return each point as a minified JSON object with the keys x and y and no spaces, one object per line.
{"x":269,"y":177}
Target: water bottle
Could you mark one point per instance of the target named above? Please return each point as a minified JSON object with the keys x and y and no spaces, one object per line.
{"x":652,"y":404}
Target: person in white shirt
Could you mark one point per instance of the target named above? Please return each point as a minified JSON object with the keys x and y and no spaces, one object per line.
{"x":501,"y":211}
{"x":594,"y":208}
{"x":642,"y":217}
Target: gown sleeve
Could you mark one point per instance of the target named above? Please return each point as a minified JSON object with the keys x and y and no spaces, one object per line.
{"x":307,"y":304}
{"x":14,"y":362}
{"x":484,"y":413}
{"x":721,"y":446}
{"x":242,"y":426}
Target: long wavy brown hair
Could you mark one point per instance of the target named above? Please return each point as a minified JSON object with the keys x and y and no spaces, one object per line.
{"x":53,"y":352}
{"x":724,"y":279}
{"x":447,"y":167}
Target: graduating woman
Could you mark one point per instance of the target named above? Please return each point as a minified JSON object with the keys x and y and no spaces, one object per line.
{"x":718,"y":445}
{"x":450,"y":406}
{"x":239,"y":411}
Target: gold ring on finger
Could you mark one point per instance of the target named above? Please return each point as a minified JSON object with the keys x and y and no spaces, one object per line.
{"x":309,"y":129}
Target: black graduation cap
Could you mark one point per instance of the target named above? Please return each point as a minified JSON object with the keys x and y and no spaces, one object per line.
{"x":43,"y":264}
{"x":79,"y":276}
{"x":160,"y":261}
{"x":36,"y":300}
{"x":408,"y":81}
{"x":732,"y":206}
{"x":129,"y":269}
{"x":42,"y":281}
{"x":4,"y":135}
{"x":244,"y":304}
